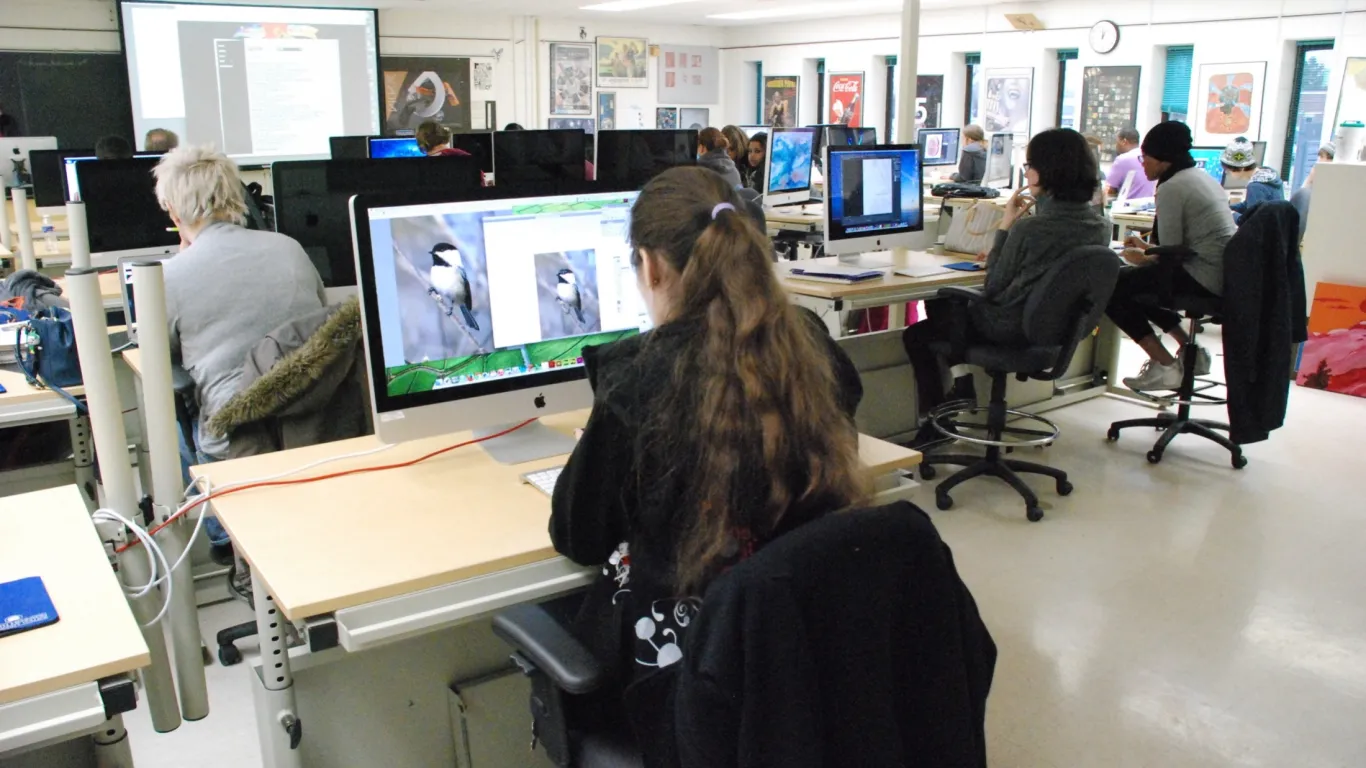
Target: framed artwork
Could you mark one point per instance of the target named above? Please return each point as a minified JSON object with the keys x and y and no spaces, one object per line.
{"x":1229,"y":104}
{"x":623,"y":62}
{"x":929,"y":101}
{"x":1109,"y":102}
{"x":1005,"y":101}
{"x":1352,"y":98}
{"x":422,"y":88}
{"x":689,"y":75}
{"x":666,"y":118}
{"x":483,"y":75}
{"x":571,"y":79}
{"x":846,"y":99}
{"x":780,"y":101}
{"x":607,"y":111}
{"x":694,"y":118}
{"x":1334,"y":357}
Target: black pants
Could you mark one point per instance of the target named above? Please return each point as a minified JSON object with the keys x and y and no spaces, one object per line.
{"x":957,"y":326}
{"x":1134,"y":304}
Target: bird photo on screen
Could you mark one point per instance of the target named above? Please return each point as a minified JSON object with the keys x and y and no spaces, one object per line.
{"x":567,"y":292}
{"x":450,"y":286}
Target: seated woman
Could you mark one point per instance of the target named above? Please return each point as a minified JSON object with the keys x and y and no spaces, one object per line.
{"x":737,"y":143}
{"x":1061,"y":171}
{"x":1192,"y":210}
{"x":754,"y":172}
{"x":712,"y":146}
{"x":434,"y":139}
{"x":972,"y":162}
{"x":726,"y":426}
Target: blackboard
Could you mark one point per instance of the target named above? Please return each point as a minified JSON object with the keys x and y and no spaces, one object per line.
{"x":1109,"y":102}
{"x":77,"y":97}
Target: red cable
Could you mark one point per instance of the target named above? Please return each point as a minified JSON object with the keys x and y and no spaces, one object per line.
{"x":302,"y":480}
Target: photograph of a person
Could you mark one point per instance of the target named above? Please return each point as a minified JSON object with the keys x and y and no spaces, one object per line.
{"x":443,"y":290}
{"x":567,"y":294}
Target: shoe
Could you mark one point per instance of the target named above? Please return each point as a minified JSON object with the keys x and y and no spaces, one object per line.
{"x":1203,"y":361}
{"x":1153,"y":376}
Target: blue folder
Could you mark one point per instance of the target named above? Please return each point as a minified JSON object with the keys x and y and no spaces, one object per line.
{"x":25,"y":605}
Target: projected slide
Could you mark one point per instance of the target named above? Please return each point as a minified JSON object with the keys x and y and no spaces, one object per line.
{"x":261,"y":83}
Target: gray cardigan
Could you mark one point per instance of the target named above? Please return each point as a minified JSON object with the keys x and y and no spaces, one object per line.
{"x":972,"y":164}
{"x":1192,"y":210}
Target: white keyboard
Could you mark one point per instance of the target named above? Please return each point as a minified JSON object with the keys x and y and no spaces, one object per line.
{"x":543,"y":479}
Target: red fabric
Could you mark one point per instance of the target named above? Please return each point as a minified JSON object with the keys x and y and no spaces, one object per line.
{"x":877,"y":318}
{"x":450,"y":152}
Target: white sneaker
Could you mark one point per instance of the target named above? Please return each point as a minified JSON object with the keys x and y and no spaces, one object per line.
{"x":1203,"y":361}
{"x":1153,"y":376}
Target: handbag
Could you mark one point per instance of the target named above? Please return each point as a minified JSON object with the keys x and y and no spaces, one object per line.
{"x":46,"y":352}
{"x":950,"y":189}
{"x":974,"y":228}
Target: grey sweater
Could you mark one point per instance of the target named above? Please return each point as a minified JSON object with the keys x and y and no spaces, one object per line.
{"x":224,"y":293}
{"x":972,"y":164}
{"x":1020,"y":257}
{"x":719,"y":160}
{"x":1192,"y":210}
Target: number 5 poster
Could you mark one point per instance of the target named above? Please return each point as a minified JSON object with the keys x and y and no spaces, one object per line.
{"x":846,"y":99}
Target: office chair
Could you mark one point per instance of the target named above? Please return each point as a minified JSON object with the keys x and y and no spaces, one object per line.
{"x":754,"y":207}
{"x":892,"y":662}
{"x":1060,"y":311}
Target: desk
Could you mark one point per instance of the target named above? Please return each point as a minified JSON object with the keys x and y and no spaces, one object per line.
{"x":404,"y":559}
{"x":69,"y":678}
{"x":1140,"y":221}
{"x":111,"y":292}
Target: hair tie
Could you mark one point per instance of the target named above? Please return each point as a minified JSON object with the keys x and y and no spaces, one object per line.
{"x":715,"y":211}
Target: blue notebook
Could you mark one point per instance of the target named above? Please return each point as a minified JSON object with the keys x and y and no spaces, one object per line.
{"x":25,"y":605}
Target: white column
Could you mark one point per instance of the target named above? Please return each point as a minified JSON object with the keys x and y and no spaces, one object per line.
{"x":78,"y":234}
{"x":908,"y":66}
{"x":26,"y":258}
{"x":6,"y":237}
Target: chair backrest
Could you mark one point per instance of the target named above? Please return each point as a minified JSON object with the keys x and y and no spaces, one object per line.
{"x":1067,"y":303}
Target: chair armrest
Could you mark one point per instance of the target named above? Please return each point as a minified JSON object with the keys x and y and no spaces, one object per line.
{"x":961,"y":293}
{"x":543,"y":641}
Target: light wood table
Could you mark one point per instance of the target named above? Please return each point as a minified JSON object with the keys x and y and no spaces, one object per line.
{"x":111,"y":292}
{"x":50,"y":686}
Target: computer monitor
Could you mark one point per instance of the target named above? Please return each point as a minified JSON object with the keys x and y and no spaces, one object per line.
{"x":939,"y":146}
{"x":1211,"y":160}
{"x":382,"y":147}
{"x":873,"y":198}
{"x":629,"y":159}
{"x":844,"y":136}
{"x":17,"y":150}
{"x":479,"y":145}
{"x":49,"y":175}
{"x":130,"y":307}
{"x":787,"y":165}
{"x":1259,"y":151}
{"x":350,"y":147}
{"x":312,"y":200}
{"x":71,"y":162}
{"x":476,"y":311}
{"x":539,"y":156}
{"x":998,"y":168}
{"x":122,"y":215}
{"x":1258,"y":154}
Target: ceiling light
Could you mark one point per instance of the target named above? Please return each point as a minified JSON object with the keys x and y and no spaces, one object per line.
{"x":809,"y":8}
{"x":631,"y":5}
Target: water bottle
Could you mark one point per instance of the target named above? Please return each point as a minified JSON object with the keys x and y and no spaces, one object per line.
{"x":49,"y":234}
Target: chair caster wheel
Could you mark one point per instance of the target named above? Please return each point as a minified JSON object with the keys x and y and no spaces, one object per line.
{"x":1112,"y":435}
{"x":927,"y":471}
{"x":1154,"y":457}
{"x":943,"y":502}
{"x":1034,"y":514}
{"x":228,"y":655}
{"x":1239,"y":461}
{"x":1065,"y":488}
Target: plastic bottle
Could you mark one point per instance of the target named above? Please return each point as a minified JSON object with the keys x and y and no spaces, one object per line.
{"x":49,"y":234}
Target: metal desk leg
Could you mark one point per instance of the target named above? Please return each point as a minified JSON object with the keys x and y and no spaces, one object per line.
{"x":112,"y":749}
{"x":83,"y":458}
{"x":284,"y":729}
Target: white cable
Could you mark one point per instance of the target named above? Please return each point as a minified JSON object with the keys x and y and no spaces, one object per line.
{"x":153,"y":554}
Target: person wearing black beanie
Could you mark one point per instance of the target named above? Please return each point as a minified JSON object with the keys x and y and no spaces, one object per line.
{"x":1192,"y":210}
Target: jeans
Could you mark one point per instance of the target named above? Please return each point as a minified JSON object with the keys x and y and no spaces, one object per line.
{"x":188,"y":458}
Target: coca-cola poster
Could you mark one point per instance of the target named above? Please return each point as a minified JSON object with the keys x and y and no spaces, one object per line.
{"x":846,"y":99}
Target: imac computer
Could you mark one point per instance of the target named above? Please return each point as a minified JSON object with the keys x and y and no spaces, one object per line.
{"x":1258,"y":153}
{"x":629,"y":159}
{"x":122,"y":215}
{"x":350,"y":147}
{"x":844,"y":136}
{"x":49,"y":175}
{"x":787,"y":166}
{"x":394,"y":146}
{"x":750,"y":130}
{"x":540,"y":156}
{"x":14,"y":157}
{"x":873,"y":198}
{"x":939,"y":146}
{"x":476,"y":310}
{"x":998,"y":171}
{"x":1211,"y":160}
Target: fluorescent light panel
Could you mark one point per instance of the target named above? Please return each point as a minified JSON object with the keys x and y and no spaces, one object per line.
{"x":809,"y":8}
{"x":631,"y":5}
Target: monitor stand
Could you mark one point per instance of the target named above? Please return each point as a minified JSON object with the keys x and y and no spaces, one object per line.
{"x":532,"y":442}
{"x":875,"y":260}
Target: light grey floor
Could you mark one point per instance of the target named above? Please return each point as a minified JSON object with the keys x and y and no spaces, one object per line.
{"x":1177,"y":615}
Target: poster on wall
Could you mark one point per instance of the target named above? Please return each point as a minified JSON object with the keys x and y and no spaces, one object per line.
{"x":689,"y":74}
{"x":1231,"y":104}
{"x":1109,"y":102}
{"x":623,"y":62}
{"x":1352,"y":99}
{"x":694,"y":118}
{"x":846,"y":99}
{"x":666,"y":118}
{"x":780,"y":100}
{"x":422,"y":88}
{"x":1334,"y":357}
{"x":1005,"y":104}
{"x":607,"y":111}
{"x":483,"y":75}
{"x":571,"y":79}
{"x":929,"y":101}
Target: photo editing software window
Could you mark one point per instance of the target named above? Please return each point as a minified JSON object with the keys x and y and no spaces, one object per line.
{"x":874,"y":191}
{"x":472,"y":291}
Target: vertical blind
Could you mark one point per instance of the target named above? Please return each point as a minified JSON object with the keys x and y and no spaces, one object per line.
{"x":972,"y":59}
{"x":1176,"y":89}
{"x":1067,"y":54}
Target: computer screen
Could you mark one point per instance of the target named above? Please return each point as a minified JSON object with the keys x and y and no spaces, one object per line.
{"x":872,"y":193}
{"x":479,"y":145}
{"x":998,"y":159}
{"x":122,"y":214}
{"x":49,"y":174}
{"x":1211,"y":160}
{"x":480,"y":297}
{"x":940,"y":146}
{"x":383,"y":148}
{"x":14,"y":150}
{"x":629,"y":159}
{"x":750,"y":130}
{"x":349,"y":147}
{"x":844,"y":136}
{"x":73,"y":186}
{"x":130,"y":307}
{"x":1259,"y":151}
{"x":533,"y":156}
{"x":790,"y":155}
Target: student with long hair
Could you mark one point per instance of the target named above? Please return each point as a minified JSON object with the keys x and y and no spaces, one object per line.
{"x":713,"y":152}
{"x":727,"y":425}
{"x":738,"y":144}
{"x":757,"y":156}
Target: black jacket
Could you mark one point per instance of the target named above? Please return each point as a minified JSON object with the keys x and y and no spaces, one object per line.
{"x":1264,"y":316}
{"x":849,"y":642}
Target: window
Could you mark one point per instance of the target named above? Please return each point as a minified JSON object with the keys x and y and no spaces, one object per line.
{"x":974,"y":69}
{"x":893,"y":95}
{"x":820,"y":91}
{"x":1176,"y":88}
{"x":759,"y":90}
{"x":1308,"y":99}
{"x":1069,"y":89}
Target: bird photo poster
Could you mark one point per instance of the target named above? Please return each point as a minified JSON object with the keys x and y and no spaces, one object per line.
{"x":780,"y":100}
{"x":846,"y":99}
{"x":1230,"y":104}
{"x":623,"y":62}
{"x":571,"y":79}
{"x":1005,"y":108}
{"x":607,"y":111}
{"x":422,"y":88}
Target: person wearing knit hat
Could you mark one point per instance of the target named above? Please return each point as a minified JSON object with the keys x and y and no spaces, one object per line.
{"x":1241,"y":171}
{"x":1192,"y":210}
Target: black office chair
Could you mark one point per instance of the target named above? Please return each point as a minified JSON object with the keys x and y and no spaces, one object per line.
{"x":753,"y":207}
{"x":1060,"y":311}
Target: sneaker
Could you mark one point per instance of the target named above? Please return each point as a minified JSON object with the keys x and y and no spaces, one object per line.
{"x":1203,"y":361}
{"x":1153,"y":376}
